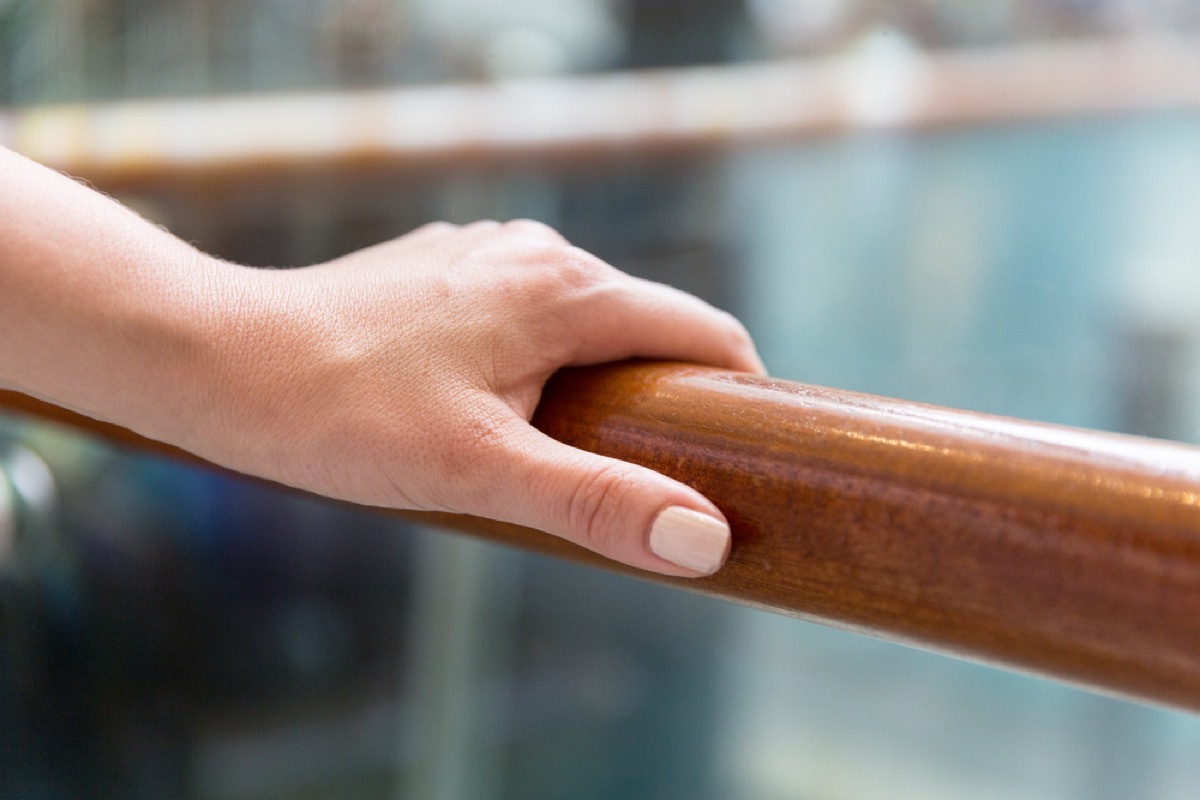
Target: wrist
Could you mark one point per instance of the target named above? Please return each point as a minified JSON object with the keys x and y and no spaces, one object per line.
{"x":204,"y":348}
{"x":245,"y":333}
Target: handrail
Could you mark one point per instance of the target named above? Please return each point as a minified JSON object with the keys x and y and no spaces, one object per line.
{"x":1066,"y":553}
{"x":133,"y":144}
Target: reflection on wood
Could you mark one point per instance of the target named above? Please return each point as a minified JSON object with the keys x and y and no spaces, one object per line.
{"x":132,"y":145}
{"x":1066,"y":553}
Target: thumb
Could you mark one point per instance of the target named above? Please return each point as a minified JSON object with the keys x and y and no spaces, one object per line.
{"x":622,"y":511}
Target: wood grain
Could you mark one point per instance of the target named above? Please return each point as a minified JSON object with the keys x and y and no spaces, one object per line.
{"x":1065,"y":553}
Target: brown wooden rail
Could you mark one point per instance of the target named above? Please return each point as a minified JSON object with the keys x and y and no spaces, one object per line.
{"x":1067,"y":553}
{"x":132,"y":145}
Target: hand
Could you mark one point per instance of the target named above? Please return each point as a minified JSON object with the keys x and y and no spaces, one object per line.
{"x":402,"y":376}
{"x":405,"y":376}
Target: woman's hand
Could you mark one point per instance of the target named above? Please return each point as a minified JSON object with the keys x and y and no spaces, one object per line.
{"x":405,"y":375}
{"x":401,"y":376}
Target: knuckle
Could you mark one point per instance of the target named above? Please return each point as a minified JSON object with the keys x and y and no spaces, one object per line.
{"x":436,"y":227}
{"x":729,"y":328}
{"x":573,"y":268}
{"x":481,"y":225}
{"x":532,"y":227}
{"x":597,"y":505}
{"x":476,"y":441}
{"x":556,"y":275}
{"x":738,"y":332}
{"x":471,"y":450}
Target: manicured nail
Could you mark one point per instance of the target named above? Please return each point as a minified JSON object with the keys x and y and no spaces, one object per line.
{"x":690,"y":539}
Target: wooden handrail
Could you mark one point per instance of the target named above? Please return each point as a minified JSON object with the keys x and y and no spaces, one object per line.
{"x":1066,"y":553}
{"x":135,"y":144}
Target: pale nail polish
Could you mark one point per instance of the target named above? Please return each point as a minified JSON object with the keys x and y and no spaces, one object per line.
{"x":690,"y":539}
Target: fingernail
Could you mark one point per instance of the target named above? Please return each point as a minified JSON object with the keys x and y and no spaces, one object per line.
{"x":690,"y":539}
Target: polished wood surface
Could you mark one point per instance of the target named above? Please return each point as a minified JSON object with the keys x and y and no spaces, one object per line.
{"x":1066,"y":553}
{"x":133,"y":145}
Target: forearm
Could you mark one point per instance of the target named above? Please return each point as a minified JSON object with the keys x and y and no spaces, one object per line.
{"x":100,"y":311}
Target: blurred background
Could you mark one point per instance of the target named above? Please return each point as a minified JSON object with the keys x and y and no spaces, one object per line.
{"x":991,"y":205}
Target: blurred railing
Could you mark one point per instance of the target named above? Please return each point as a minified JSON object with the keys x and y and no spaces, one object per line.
{"x":1066,"y":553}
{"x":130,"y":144}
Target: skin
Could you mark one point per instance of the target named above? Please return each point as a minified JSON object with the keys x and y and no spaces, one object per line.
{"x":403,"y":375}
